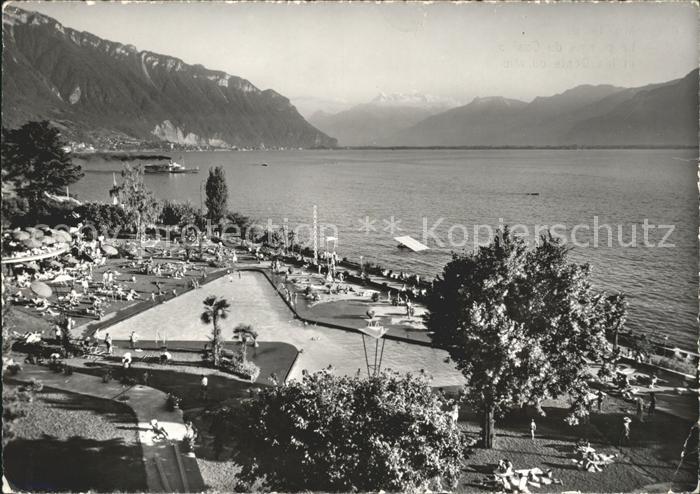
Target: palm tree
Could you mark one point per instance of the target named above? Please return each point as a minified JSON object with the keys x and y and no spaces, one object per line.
{"x":246,"y":331}
{"x":215,"y":309}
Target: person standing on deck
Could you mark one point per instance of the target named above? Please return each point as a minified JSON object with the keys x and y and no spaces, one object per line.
{"x":640,"y":409}
{"x":108,"y":344}
{"x":58,"y":334}
{"x":204,"y":388}
{"x":533,"y":428}
{"x":133,"y":338}
{"x":652,"y":403}
{"x":600,"y":401}
{"x":625,"y":435}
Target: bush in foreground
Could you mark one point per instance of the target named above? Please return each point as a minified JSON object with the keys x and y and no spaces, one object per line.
{"x":332,"y":433}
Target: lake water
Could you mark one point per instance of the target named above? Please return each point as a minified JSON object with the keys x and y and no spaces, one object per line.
{"x":451,"y":191}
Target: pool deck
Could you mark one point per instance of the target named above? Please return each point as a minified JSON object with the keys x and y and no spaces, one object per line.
{"x":255,"y":301}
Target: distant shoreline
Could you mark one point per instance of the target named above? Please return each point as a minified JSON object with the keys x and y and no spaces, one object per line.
{"x":127,"y":155}
{"x":122,"y":155}
{"x":571,"y":147}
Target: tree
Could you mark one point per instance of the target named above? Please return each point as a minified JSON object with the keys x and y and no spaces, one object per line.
{"x":34,"y":161}
{"x":217,"y":194}
{"x":215,"y":309}
{"x":137,"y":199}
{"x":246,"y":331}
{"x":180,"y":214}
{"x":107,"y":218}
{"x":519,"y":323}
{"x":341,"y":433}
{"x":616,"y":312}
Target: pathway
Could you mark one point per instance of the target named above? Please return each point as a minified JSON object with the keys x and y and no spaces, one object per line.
{"x":166,"y":469}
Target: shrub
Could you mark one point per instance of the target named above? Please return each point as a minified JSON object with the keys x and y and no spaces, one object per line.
{"x":333,"y":433}
{"x":241,"y":368}
{"x":14,"y":369}
{"x":106,"y":375}
{"x":172,"y":402}
{"x":128,"y":381}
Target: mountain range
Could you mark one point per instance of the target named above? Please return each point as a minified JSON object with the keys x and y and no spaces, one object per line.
{"x":113,"y":96}
{"x":664,"y":114}
{"x":104,"y":92}
{"x":379,"y":120}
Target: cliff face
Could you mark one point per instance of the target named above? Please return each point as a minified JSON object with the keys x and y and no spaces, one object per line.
{"x":97,"y":89}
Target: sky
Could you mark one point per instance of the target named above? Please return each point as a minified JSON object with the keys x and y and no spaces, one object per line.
{"x":329,"y":54}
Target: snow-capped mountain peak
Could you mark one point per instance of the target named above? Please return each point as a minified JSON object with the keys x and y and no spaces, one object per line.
{"x":413,"y":99}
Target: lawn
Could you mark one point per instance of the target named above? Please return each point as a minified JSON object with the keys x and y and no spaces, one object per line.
{"x":71,"y":442}
{"x":219,"y":474}
{"x":651,"y":457}
{"x":21,"y":320}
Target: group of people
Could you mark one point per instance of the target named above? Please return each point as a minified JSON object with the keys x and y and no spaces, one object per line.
{"x":508,"y":479}
{"x":160,"y":433}
{"x":586,"y":458}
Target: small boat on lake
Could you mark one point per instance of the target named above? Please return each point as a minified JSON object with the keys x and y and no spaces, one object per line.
{"x":170,"y":167}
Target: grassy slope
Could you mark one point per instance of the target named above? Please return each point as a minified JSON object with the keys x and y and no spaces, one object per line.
{"x":70,"y":442}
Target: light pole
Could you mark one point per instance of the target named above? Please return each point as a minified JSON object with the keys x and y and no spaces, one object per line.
{"x":376,"y":333}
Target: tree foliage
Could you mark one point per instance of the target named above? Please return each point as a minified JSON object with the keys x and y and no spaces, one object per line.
{"x":108,"y":219}
{"x":520,"y":323}
{"x":245,"y":332}
{"x":217,"y":194}
{"x":615,"y":314}
{"x":339,"y":433}
{"x":215,"y":310}
{"x":137,"y":199}
{"x":180,"y":214}
{"x":34,"y":161}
